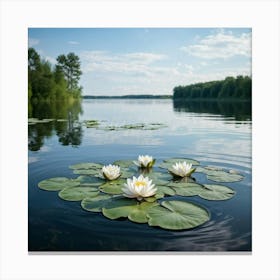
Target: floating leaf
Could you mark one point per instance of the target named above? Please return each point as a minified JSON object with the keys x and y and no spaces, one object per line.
{"x":35,"y":120}
{"x":113,"y":187}
{"x":86,"y":171}
{"x":78,"y":193}
{"x":57,"y":184}
{"x":186,"y":189}
{"x":158,"y":178}
{"x":138,"y":214}
{"x":118,"y":207}
{"x":216,"y":192}
{"x":126,"y":173}
{"x":95,"y":204}
{"x":86,"y":165}
{"x":124,"y":163}
{"x":62,"y":120}
{"x":90,"y":181}
{"x":165,"y":190}
{"x":223,"y":177}
{"x":133,"y":126}
{"x":91,"y":123}
{"x":177,"y":215}
{"x":169,"y":162}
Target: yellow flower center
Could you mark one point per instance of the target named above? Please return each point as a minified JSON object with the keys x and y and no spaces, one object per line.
{"x":140,"y":183}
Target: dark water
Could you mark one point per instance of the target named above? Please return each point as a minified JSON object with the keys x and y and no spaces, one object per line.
{"x":214,"y":133}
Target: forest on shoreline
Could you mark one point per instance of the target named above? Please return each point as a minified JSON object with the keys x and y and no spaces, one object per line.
{"x":239,"y":88}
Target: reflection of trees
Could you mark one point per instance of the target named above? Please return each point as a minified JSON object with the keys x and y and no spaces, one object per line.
{"x":69,"y":131}
{"x":241,"y":111}
{"x":73,"y":133}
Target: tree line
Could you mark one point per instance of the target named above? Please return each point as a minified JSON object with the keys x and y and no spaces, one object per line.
{"x":229,"y":88}
{"x":47,"y":83}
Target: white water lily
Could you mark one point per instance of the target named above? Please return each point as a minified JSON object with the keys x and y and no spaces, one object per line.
{"x":182,"y":169}
{"x":145,"y":161}
{"x":111,"y":172}
{"x":139,"y":188}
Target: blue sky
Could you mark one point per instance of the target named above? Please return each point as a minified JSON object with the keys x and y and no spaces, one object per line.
{"x":118,"y":61}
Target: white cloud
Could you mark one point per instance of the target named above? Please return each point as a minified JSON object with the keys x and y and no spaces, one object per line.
{"x":33,"y":42}
{"x":73,"y":43}
{"x":130,"y":63}
{"x":221,"y":45}
{"x":144,"y":73}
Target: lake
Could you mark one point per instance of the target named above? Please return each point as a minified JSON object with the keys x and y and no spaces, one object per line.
{"x":213,"y":133}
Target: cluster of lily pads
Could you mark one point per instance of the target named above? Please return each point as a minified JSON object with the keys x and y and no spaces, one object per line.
{"x":135,"y":190}
{"x":100,"y":124}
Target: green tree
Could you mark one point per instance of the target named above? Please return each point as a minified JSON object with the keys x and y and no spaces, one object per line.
{"x":70,"y":66}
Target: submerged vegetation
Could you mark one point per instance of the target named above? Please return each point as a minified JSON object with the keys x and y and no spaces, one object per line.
{"x":228,"y":89}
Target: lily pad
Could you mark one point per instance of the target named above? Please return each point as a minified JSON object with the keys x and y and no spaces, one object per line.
{"x":57,"y":184}
{"x":158,"y":178}
{"x":138,"y":214}
{"x":126,"y":173}
{"x":86,"y":171}
{"x":133,"y":126}
{"x":86,"y":165}
{"x":113,"y":187}
{"x":224,"y":177}
{"x":168,"y":163}
{"x":119,"y":207}
{"x":165,"y":190}
{"x":78,"y":193}
{"x":62,"y":120}
{"x":216,"y":192}
{"x":187,"y":189}
{"x":95,"y":204}
{"x":90,"y":181}
{"x":124,"y":163}
{"x":177,"y":215}
{"x":91,"y":123}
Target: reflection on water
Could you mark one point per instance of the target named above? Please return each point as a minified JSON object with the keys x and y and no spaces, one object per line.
{"x":67,"y":129}
{"x":241,"y":111}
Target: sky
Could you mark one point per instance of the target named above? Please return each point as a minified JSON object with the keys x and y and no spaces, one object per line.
{"x":120,"y":61}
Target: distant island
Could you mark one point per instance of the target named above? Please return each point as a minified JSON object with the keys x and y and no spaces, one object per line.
{"x":131,"y":96}
{"x":236,"y":89}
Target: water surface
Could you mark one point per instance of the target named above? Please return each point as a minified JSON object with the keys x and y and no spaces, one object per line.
{"x":213,"y":133}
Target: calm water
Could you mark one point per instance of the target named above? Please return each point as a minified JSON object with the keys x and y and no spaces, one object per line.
{"x":213,"y":133}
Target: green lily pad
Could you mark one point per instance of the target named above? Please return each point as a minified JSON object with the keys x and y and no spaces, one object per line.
{"x":133,"y":126}
{"x":91,"y":123}
{"x":95,"y":204}
{"x":78,"y":193}
{"x":126,"y":173}
{"x":165,"y":190}
{"x":57,"y":184}
{"x":138,"y":214}
{"x":86,"y":165}
{"x":119,"y":207}
{"x":113,"y":187}
{"x":177,"y":215}
{"x":90,"y":181}
{"x":124,"y":163}
{"x":168,"y":163}
{"x":187,"y":189}
{"x":87,"y":171}
{"x":158,"y":178}
{"x":216,"y":192}
{"x":35,"y":120}
{"x":62,"y":120}
{"x":223,"y":176}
